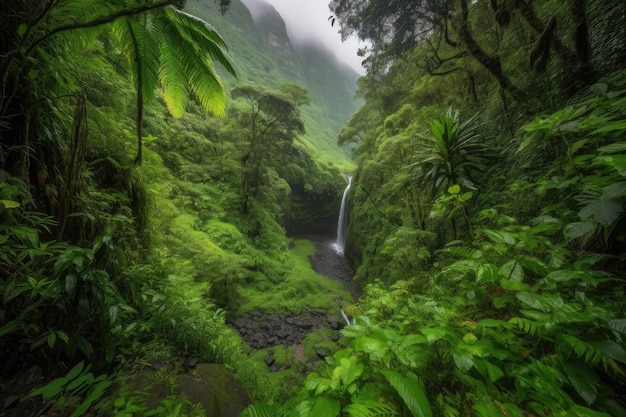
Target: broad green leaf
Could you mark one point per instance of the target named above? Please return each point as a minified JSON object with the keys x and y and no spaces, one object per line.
{"x":493,"y":372}
{"x":487,"y":273}
{"x":51,"y":389}
{"x":52,"y":338}
{"x":113,"y":310}
{"x":455,"y":189}
{"x":534,"y":264}
{"x":324,"y":407}
{"x":583,"y":379}
{"x":614,"y":161}
{"x":463,"y":360}
{"x":411,"y":392}
{"x":369,"y":345}
{"x":70,"y":283}
{"x":580,"y":411}
{"x":603,"y":210}
{"x":578,"y":229}
{"x":532,"y":300}
{"x":21,"y":29}
{"x":97,"y":393}
{"x":9,"y":204}
{"x":498,"y":236}
{"x":484,"y":409}
{"x":433,"y":334}
{"x":615,"y":190}
{"x":618,"y":325}
{"x":500,"y":302}
{"x":512,"y":270}
{"x":611,"y":349}
{"x":511,"y":285}
{"x":618,"y":147}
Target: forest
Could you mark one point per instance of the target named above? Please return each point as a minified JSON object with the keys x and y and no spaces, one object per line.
{"x":168,"y":169}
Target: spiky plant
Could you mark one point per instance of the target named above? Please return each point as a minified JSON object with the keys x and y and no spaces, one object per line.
{"x":451,"y":154}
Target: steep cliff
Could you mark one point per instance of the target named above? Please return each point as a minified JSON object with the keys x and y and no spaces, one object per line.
{"x":264,"y":54}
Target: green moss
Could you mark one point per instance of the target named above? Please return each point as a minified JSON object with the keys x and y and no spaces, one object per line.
{"x":301,"y":289}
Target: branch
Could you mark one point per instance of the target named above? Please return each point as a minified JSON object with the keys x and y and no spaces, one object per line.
{"x":100,"y":21}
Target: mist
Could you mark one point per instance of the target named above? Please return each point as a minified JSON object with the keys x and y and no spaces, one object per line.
{"x":307,"y":23}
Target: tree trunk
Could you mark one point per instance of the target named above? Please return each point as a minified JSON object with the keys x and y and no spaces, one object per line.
{"x":490,"y":62}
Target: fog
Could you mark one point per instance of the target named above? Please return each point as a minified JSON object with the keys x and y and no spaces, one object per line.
{"x":307,"y":22}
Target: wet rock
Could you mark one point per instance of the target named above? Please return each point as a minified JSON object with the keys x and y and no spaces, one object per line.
{"x":335,"y":323}
{"x":322,"y":353}
{"x":190,"y":362}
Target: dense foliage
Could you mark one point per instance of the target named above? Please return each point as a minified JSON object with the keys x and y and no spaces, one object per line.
{"x":489,"y":233}
{"x":487,"y":209}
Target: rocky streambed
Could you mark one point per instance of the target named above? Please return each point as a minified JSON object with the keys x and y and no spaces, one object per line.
{"x":261,"y":330}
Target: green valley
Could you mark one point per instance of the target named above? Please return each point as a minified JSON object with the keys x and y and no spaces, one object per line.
{"x":170,"y":187}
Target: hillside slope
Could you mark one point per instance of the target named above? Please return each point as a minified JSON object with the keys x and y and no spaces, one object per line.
{"x":263,"y":54}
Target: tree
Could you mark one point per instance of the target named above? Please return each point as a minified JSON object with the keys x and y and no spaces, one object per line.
{"x":444,"y":29}
{"x":273,"y":121}
{"x":174,"y":49}
{"x":162,"y":43}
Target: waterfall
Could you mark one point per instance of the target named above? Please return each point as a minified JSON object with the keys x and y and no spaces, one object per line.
{"x":342,"y":223}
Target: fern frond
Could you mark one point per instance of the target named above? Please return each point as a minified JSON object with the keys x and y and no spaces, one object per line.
{"x":526,"y":325}
{"x":140,"y":44}
{"x":172,"y":71}
{"x":203,"y":36}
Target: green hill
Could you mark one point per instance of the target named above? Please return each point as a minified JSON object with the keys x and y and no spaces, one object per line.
{"x":263,"y":54}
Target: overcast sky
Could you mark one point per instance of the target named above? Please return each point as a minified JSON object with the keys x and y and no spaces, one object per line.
{"x":308,"y":19}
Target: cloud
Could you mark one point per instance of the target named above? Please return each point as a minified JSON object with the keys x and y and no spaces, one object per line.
{"x":307,"y":21}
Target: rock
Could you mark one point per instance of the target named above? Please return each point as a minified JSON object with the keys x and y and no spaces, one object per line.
{"x":335,"y":323}
{"x":269,"y":360}
{"x":322,"y":353}
{"x":190,"y":362}
{"x":213,"y":387}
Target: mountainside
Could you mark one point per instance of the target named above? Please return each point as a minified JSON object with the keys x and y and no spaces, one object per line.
{"x":263,"y":54}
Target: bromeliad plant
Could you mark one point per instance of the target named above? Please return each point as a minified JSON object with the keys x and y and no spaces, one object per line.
{"x":452,"y":153}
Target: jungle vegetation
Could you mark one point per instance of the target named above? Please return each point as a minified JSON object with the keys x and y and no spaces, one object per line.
{"x":148,"y":178}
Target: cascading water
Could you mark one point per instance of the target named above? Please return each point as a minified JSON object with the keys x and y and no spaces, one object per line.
{"x":342,"y":223}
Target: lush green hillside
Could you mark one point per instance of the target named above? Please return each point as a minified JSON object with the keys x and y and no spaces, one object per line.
{"x":264,"y":55}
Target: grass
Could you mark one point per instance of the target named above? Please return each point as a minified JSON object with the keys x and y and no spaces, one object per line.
{"x":301,"y":289}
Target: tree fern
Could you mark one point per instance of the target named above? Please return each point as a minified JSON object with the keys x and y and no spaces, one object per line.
{"x":174,"y":49}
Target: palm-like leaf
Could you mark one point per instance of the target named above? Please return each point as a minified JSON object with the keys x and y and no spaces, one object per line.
{"x":453,"y":153}
{"x":176,"y":50}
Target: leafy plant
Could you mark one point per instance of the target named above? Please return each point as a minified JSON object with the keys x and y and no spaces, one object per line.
{"x":77,"y":383}
{"x":451,"y":154}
